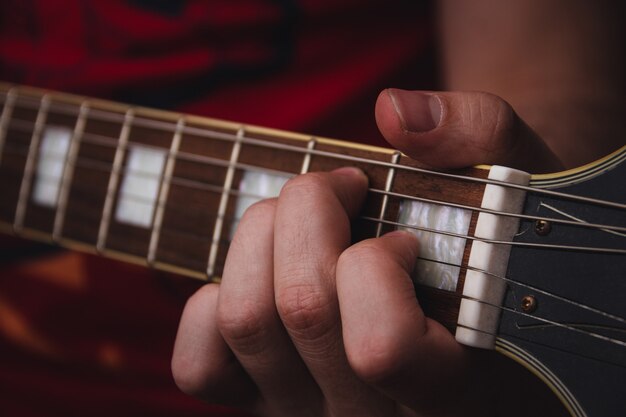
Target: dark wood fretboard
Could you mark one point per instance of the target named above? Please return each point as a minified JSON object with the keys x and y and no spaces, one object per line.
{"x":198,"y":187}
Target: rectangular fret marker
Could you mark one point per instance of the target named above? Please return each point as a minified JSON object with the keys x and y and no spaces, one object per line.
{"x":436,"y":248}
{"x":140,"y":186}
{"x":55,"y":144}
{"x":256,"y":186}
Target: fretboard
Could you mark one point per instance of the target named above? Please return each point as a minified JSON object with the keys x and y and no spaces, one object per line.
{"x":166,"y":190}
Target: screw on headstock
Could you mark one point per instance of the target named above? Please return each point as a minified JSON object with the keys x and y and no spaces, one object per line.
{"x":529,"y":304}
{"x":543,"y":227}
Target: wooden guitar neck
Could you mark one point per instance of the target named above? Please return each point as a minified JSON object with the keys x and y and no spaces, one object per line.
{"x":166,"y":190}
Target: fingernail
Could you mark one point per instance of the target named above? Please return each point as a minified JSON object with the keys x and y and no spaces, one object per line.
{"x":418,"y":112}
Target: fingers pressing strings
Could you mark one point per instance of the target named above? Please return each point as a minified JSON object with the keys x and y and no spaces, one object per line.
{"x":312,"y":229}
{"x":249,"y":322}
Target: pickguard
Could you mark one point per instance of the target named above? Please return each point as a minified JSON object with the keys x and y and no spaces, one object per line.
{"x":577,"y":329}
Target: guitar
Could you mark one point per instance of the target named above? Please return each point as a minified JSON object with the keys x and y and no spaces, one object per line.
{"x":531,"y":266}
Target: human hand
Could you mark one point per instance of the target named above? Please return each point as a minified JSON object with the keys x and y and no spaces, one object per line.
{"x":306,"y":324}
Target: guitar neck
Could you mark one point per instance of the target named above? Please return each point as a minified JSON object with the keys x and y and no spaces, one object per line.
{"x":166,"y":190}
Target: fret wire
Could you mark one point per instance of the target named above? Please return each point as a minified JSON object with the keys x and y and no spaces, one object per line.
{"x":501,"y":242}
{"x":113,"y":181}
{"x":29,"y":167}
{"x":7,"y":111}
{"x":261,"y":142}
{"x":164,"y":191}
{"x":350,"y":158}
{"x":388,"y":184}
{"x":592,"y":200}
{"x":306,"y":162}
{"x":219,"y":221}
{"x":68,"y":170}
{"x":216,"y":162}
{"x":208,"y":160}
{"x":435,"y":231}
{"x":430,"y":230}
{"x":185,"y":156}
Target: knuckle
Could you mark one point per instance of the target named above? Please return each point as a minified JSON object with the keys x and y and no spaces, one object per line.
{"x":189,"y":378}
{"x":244,"y":326}
{"x":374,"y":363}
{"x":361,"y":253}
{"x":258,"y":217}
{"x":191,"y":375}
{"x":260,"y":210}
{"x":305,"y":185}
{"x":306,"y":311}
{"x":368,"y":255}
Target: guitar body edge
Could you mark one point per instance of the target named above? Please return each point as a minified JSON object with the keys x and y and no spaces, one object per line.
{"x":531,"y":363}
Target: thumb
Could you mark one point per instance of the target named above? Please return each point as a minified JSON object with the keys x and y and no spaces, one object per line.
{"x":459,"y":129}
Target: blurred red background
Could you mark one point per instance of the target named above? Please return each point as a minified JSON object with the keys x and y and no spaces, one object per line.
{"x":81,"y":335}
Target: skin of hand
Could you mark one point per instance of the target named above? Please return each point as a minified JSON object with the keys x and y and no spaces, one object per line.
{"x":309,"y":328}
{"x":302,"y":323}
{"x":559,"y":63}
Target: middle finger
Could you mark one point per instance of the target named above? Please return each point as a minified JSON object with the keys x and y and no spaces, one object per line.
{"x":312,"y":228}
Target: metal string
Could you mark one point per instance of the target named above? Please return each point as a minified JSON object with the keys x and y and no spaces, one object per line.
{"x":531,"y":288}
{"x":198,"y":185}
{"x":186,"y":156}
{"x":105,"y":167}
{"x":213,"y":161}
{"x":98,"y":165}
{"x":170,"y":127}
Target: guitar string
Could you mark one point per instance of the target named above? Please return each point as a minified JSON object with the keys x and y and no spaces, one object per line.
{"x":529,"y":287}
{"x":389,"y":222}
{"x":620,"y":343}
{"x":503,"y":334}
{"x":547,"y":322}
{"x":239,"y":193}
{"x":190,"y":183}
{"x":435,"y":231}
{"x":575,"y":304}
{"x":210,"y":161}
{"x":500,"y":242}
{"x":544,"y":320}
{"x":578,"y":222}
{"x":170,"y":127}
